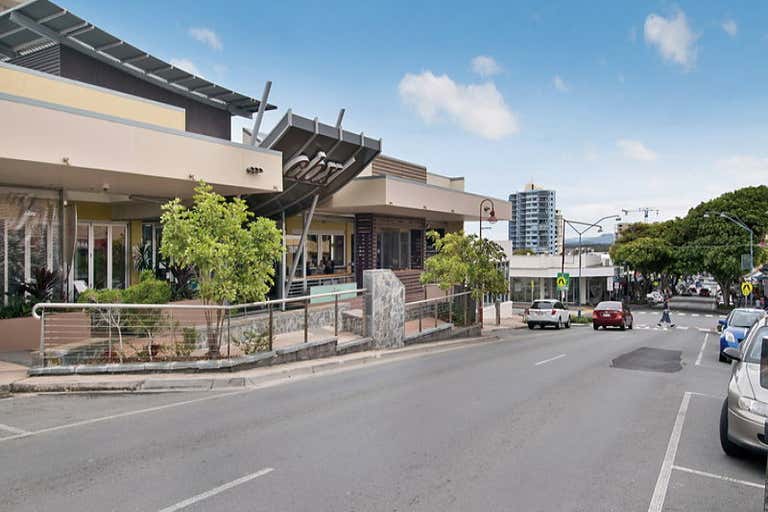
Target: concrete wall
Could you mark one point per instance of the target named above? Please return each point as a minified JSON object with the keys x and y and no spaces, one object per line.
{"x":19,"y":81}
{"x":384,"y":308}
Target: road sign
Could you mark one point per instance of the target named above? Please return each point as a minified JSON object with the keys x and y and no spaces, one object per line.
{"x":746,"y":288}
{"x":563,"y":280}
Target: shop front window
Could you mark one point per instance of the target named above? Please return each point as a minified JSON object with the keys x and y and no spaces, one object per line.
{"x":393,"y":250}
{"x":101,"y":255}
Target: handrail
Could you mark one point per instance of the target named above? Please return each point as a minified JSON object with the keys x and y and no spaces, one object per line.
{"x":436,"y":299}
{"x":120,"y":305}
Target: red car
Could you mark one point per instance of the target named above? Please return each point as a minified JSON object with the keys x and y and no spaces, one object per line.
{"x":612,"y":314}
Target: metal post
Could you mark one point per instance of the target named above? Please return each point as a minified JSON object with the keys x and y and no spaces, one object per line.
{"x":271,"y":326}
{"x":336,"y":315}
{"x":420,"y":312}
{"x":466,"y":310}
{"x":435,"y":315}
{"x":228,"y":332}
{"x":306,"y":319}
{"x":498,"y":312}
{"x":450,"y":308}
{"x":578,"y":303}
{"x":42,"y":338}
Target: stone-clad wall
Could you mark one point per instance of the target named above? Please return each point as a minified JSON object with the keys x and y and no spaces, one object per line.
{"x":384,"y":308}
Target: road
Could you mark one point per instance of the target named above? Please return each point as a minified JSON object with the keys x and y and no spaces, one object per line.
{"x":537,"y":421}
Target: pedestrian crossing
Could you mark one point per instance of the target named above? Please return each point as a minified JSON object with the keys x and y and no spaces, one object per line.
{"x":675,"y":328}
{"x":677,"y":313}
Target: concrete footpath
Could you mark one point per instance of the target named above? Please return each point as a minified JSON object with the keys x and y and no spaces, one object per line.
{"x":16,"y":380}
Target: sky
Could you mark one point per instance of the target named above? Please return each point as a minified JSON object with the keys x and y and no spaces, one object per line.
{"x":615,"y":105}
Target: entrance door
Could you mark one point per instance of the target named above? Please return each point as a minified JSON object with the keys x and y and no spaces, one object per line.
{"x":101,"y":255}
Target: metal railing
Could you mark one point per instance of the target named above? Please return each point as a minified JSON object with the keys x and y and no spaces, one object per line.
{"x":458,"y":309}
{"x":104,"y":333}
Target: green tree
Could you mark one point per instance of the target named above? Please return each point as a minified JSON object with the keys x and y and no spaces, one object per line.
{"x":468,"y":261}
{"x":523,"y":252}
{"x":232,"y":254}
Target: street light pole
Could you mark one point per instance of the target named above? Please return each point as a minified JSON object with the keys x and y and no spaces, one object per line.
{"x":734,"y":219}
{"x":491,"y":210}
{"x":573,"y":224}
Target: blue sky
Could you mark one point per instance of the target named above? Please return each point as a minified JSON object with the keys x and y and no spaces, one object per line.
{"x":613,"y":104}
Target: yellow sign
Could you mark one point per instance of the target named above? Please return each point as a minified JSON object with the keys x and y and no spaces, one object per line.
{"x":746,"y":288}
{"x":561,"y":282}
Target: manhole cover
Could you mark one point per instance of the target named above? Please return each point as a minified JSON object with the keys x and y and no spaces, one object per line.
{"x":650,"y":359}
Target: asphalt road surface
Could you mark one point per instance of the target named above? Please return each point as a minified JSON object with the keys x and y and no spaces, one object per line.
{"x":538,"y":421}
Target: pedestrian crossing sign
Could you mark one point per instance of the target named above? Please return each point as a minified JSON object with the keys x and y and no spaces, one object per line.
{"x":746,"y":288}
{"x":562,"y":281}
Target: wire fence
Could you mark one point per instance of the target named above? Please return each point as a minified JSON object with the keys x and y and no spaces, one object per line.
{"x":137,"y":333}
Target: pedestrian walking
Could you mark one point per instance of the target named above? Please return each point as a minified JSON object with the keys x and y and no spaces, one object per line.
{"x":665,"y":318}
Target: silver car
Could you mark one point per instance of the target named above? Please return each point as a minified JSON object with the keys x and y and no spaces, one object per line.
{"x":745,"y":410}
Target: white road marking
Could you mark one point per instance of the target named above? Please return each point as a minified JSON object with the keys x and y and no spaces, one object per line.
{"x":695,"y":314}
{"x":703,"y":329}
{"x":719,"y":477}
{"x":681,"y":314}
{"x":662,"y":483}
{"x":12,"y":430}
{"x":701,"y":350}
{"x":549,"y":360}
{"x":682,"y":327}
{"x":709,"y":316}
{"x":216,"y":490}
{"x":707,"y":395}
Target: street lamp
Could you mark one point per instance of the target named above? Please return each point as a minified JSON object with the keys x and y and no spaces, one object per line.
{"x":741,"y":224}
{"x":490,"y":210}
{"x":573,"y":224}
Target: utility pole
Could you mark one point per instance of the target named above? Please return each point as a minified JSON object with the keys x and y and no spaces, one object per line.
{"x":645,"y":211}
{"x":574,"y":226}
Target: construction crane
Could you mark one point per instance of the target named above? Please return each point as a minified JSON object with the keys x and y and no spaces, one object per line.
{"x":644,"y":211}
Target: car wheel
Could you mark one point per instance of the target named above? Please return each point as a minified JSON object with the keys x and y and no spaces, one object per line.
{"x":559,"y":323}
{"x":623,"y":326}
{"x":568,"y":323}
{"x":595,"y":326}
{"x":729,"y":447}
{"x":722,"y":358}
{"x":631,"y":323}
{"x":531,"y":325}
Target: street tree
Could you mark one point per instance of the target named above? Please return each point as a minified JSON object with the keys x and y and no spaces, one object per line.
{"x":467,"y":261}
{"x":232,"y":254}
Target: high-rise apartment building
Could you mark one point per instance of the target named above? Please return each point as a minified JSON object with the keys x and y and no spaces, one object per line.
{"x":533,"y":225}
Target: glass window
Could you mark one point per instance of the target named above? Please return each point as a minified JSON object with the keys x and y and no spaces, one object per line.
{"x":38,"y":246}
{"x":312,"y":258}
{"x":394,"y":249}
{"x":118,"y":256}
{"x":756,"y":346}
{"x":16,"y":266}
{"x":338,"y":252}
{"x":81,"y":254}
{"x":100,"y":247}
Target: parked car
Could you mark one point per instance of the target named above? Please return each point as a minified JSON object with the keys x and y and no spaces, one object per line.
{"x":736,"y":326}
{"x":704,"y":292}
{"x":745,"y":409}
{"x":654,"y":298}
{"x":612,"y":314}
{"x":547,"y":312}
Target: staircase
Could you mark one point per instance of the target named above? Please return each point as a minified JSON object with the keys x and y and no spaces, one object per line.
{"x":414,"y":290}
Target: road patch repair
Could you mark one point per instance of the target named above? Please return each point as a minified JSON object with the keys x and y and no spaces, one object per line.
{"x":650,"y":359}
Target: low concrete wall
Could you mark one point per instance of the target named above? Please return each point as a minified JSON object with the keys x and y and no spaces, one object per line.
{"x":302,"y":352}
{"x":443,"y":332}
{"x":693,"y":303}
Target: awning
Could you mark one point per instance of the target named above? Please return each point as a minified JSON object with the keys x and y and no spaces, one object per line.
{"x":318,"y":159}
{"x":39,"y":24}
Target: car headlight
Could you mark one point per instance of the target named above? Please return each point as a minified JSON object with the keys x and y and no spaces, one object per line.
{"x":729,"y":337}
{"x":753,"y":406}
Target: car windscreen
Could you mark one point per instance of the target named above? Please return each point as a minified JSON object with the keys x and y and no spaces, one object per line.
{"x":543,"y":305}
{"x":609,"y":306}
{"x":753,"y":351}
{"x":744,"y":318}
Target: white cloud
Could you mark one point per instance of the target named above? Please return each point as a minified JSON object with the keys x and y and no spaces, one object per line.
{"x":745,"y":166}
{"x":731,"y":27}
{"x":186,"y":65}
{"x":635,"y":150}
{"x":673,"y":37}
{"x":478,"y":108}
{"x":560,"y":84}
{"x":485,"y":66}
{"x":207,"y":37}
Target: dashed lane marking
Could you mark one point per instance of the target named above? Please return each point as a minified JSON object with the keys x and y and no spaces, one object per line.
{"x":549,"y":360}
{"x":216,"y":490}
{"x":12,"y":430}
{"x":701,"y":350}
{"x":662,"y":482}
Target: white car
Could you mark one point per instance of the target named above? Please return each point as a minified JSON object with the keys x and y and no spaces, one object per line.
{"x":547,"y":312}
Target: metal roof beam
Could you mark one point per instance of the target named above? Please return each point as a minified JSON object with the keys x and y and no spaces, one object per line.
{"x":7,"y":51}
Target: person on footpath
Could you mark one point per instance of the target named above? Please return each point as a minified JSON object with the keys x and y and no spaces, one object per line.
{"x":665,"y":313}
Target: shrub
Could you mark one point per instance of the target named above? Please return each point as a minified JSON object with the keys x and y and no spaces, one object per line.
{"x":253,"y":342}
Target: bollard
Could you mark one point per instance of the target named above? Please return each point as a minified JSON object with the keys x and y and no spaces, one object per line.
{"x":498,"y":312}
{"x":336,"y":315}
{"x":306,"y":320}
